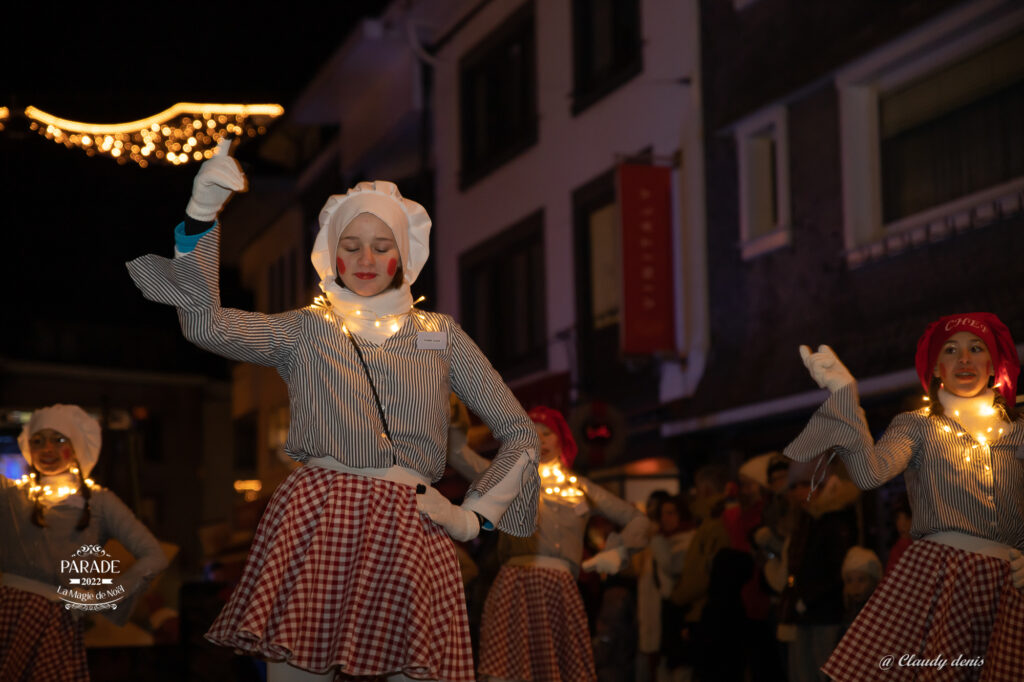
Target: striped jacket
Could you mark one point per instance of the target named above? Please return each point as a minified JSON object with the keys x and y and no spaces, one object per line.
{"x":954,"y":482}
{"x":332,"y":408}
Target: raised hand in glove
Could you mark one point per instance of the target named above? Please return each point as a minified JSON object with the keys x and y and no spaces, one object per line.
{"x":606,"y":562}
{"x":825,"y":368}
{"x":1017,"y":569}
{"x":217,"y":178}
{"x":461,"y":524}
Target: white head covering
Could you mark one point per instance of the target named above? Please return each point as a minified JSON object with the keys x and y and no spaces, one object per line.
{"x":71,"y":421}
{"x":862,"y":559}
{"x":410,"y":225}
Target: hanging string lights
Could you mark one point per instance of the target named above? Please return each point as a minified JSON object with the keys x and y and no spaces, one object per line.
{"x":187,"y":132}
{"x":5,"y":114}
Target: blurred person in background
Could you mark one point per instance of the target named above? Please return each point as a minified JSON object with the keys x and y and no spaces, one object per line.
{"x":52,"y":515}
{"x":534,"y":626}
{"x":661,"y":564}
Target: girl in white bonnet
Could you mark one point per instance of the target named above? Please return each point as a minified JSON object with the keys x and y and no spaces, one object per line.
{"x":46,"y":518}
{"x":352,"y":571}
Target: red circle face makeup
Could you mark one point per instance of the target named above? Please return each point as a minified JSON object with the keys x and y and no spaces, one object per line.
{"x":341,"y":266}
{"x":392,"y":267}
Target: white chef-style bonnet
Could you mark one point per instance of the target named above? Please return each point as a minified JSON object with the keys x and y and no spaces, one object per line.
{"x":408,"y":221}
{"x":73,"y":422}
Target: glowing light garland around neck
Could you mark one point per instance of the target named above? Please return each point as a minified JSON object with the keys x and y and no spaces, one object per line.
{"x":30,"y":483}
{"x":188,"y":131}
{"x":554,"y":482}
{"x":322,"y":303}
{"x":982,"y":438}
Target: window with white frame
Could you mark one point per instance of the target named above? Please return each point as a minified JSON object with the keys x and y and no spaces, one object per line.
{"x":932,"y":139}
{"x":763,"y":156}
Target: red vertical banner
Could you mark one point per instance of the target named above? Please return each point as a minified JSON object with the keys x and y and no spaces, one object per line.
{"x":648,"y":304}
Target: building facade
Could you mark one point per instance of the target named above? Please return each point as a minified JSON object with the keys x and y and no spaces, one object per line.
{"x":864,"y":175}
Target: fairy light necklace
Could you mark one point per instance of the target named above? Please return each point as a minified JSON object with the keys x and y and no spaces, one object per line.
{"x":58,"y":491}
{"x":555,"y":483}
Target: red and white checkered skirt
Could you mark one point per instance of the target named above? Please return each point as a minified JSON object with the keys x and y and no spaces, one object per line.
{"x":938,"y":602}
{"x":345,"y":574}
{"x":534,"y":628}
{"x":40,"y":640}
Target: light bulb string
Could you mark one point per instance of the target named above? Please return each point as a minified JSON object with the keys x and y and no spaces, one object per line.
{"x":38,"y":490}
{"x":364,"y":314}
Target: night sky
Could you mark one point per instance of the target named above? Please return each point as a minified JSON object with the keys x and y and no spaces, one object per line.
{"x":71,"y":221}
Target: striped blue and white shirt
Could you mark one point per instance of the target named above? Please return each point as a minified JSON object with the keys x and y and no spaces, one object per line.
{"x":333,"y":410}
{"x":954,"y":482}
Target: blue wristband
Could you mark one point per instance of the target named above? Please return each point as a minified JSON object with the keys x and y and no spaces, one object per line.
{"x":184,"y":243}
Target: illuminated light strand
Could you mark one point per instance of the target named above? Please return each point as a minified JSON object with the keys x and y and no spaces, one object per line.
{"x":322,"y":303}
{"x":186,"y":132}
{"x":981,"y":437}
{"x":31,"y":484}
{"x":5,"y":114}
{"x":557,"y":484}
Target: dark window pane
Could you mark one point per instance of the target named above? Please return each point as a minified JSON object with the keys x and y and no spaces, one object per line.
{"x":502,"y":292}
{"x":498,"y":97}
{"x":607,"y":47}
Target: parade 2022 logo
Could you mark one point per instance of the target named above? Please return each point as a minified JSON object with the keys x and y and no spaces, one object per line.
{"x":90,"y":580}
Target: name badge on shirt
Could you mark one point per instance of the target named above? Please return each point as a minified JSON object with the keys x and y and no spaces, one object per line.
{"x":431,"y":340}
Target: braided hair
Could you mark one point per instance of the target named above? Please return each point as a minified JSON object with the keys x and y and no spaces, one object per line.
{"x":85,"y":492}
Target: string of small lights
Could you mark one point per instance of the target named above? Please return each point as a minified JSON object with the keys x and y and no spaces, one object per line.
{"x":982,"y":438}
{"x":37,"y":491}
{"x":186,"y":132}
{"x":554,"y":482}
{"x":5,"y":114}
{"x":393,"y":319}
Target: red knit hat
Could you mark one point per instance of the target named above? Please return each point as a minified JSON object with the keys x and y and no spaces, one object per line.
{"x":988,"y":328}
{"x":554,"y":420}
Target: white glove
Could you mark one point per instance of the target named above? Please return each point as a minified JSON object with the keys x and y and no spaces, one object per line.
{"x":217,"y":178}
{"x":1017,"y":569}
{"x":461,"y":524}
{"x":606,"y":562}
{"x":825,"y":368}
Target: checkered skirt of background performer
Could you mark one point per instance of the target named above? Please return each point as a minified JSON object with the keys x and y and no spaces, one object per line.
{"x":534,"y":628}
{"x":40,"y":641}
{"x":345,"y":572}
{"x":939,"y":601}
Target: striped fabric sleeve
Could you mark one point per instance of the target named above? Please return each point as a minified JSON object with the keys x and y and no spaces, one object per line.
{"x":481,"y":388}
{"x":191,"y":284}
{"x":840,"y":423}
{"x":635,"y":526}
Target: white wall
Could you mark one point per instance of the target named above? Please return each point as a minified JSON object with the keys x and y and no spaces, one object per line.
{"x":653,"y":110}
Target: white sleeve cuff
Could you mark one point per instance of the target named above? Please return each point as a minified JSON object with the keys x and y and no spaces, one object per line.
{"x":492,"y":504}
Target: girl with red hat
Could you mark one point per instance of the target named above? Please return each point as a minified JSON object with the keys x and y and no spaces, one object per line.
{"x":534,"y":626}
{"x":954,"y":599}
